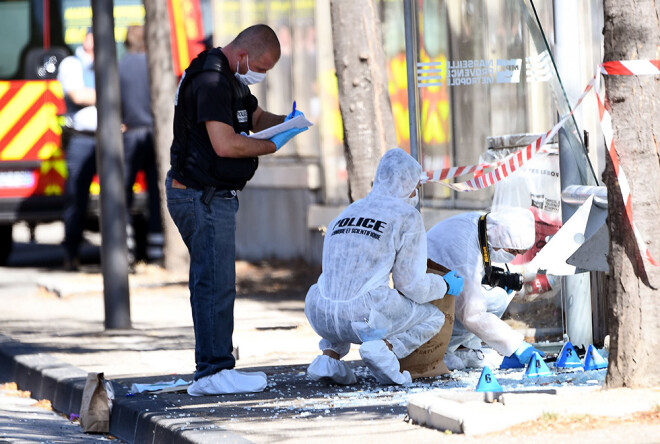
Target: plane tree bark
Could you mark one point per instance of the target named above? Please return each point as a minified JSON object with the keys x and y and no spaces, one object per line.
{"x":632,"y":32}
{"x":162,"y":88}
{"x":363,"y":96}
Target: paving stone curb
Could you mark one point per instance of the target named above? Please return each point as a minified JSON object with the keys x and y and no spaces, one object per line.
{"x":475,"y":413}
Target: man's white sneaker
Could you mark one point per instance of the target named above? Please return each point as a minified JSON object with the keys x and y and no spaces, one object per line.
{"x":228,"y":382}
{"x":383,"y":363}
{"x":325,"y":367}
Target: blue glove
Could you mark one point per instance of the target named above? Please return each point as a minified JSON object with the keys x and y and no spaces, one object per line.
{"x":525,"y":351}
{"x":296,"y":113}
{"x":507,"y":290}
{"x":454,"y":283}
{"x":282,"y":138}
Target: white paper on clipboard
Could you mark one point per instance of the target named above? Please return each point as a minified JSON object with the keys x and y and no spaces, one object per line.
{"x":296,"y":122}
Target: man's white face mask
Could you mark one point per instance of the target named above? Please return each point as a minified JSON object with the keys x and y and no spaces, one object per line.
{"x":501,"y":255}
{"x":413,"y":200}
{"x":250,"y":77}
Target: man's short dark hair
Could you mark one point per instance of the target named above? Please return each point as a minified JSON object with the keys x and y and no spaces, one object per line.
{"x":257,"y":40}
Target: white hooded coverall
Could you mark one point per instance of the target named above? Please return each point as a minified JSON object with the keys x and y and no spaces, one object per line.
{"x":454,"y":243}
{"x":373,"y":237}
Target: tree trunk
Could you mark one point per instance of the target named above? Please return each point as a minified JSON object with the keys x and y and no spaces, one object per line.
{"x":632,"y":32}
{"x":363,"y":96}
{"x":162,"y":89}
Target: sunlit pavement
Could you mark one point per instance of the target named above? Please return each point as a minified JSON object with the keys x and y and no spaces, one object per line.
{"x":26,"y":420}
{"x":52,"y":334}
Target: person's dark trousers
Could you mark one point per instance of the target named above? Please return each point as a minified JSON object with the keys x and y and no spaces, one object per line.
{"x":155,"y":224}
{"x":209,"y":232}
{"x":81,"y":167}
{"x":139,"y":154}
{"x":155,"y":238}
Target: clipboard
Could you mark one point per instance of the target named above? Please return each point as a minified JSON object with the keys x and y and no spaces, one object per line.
{"x":296,"y":122}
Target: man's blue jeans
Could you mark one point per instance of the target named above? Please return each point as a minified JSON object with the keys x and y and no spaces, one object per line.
{"x":209,"y":232}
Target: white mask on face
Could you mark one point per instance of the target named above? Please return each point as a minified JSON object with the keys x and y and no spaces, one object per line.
{"x":413,"y":200}
{"x":250,"y":77}
{"x":501,"y":255}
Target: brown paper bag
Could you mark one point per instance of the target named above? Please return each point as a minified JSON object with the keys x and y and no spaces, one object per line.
{"x":94,"y":408}
{"x":428,"y":360}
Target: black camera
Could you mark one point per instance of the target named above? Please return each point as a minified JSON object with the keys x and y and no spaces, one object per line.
{"x":499,"y":277}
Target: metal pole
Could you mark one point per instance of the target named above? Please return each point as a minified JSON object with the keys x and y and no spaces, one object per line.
{"x":577,"y":288}
{"x":410,"y":21}
{"x":110,"y":166}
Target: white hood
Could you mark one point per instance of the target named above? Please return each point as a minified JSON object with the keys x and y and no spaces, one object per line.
{"x":397,"y":175}
{"x":511,"y":227}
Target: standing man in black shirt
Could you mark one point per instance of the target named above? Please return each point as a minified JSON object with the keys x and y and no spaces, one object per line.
{"x":211,"y":158}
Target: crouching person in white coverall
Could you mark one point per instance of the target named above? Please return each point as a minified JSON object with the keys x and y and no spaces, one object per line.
{"x":352,"y":301}
{"x":456,"y":243}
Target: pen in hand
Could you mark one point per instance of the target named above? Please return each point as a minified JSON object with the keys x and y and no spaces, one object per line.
{"x":293,"y":112}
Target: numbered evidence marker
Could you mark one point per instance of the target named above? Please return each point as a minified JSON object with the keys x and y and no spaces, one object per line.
{"x":593,"y":360}
{"x":568,"y":358}
{"x":487,"y":382}
{"x":536,"y":367}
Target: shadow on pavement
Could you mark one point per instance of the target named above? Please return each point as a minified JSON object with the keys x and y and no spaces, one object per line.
{"x":273,"y":280}
{"x":88,"y":337}
{"x":35,"y":254}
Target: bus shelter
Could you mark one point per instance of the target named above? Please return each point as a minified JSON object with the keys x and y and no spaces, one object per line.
{"x":484,"y":81}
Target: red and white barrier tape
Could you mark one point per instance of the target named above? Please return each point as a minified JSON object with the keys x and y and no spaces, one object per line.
{"x":631,"y":68}
{"x":516,"y":160}
{"x":478,"y":170}
{"x":505,"y":167}
{"x":617,"y":68}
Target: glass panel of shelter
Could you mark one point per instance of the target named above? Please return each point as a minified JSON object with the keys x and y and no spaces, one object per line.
{"x":485,"y":70}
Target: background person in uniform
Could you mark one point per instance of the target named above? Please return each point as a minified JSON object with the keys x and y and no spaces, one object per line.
{"x":454,"y":243}
{"x":211,"y":159}
{"x":352,"y":302}
{"x":139,"y":150}
{"x":76,"y":74}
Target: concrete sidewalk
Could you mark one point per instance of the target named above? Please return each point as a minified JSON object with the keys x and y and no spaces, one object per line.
{"x":52,"y":335}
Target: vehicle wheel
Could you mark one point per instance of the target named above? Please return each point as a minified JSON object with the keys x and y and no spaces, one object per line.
{"x":6,"y":243}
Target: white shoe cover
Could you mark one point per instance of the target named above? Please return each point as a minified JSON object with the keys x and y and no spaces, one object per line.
{"x":471,"y":358}
{"x":326,"y":367}
{"x":478,"y":358}
{"x":228,"y":382}
{"x":453,"y":362}
{"x":383,"y":363}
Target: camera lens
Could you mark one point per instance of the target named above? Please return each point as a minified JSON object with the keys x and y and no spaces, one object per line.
{"x":504,"y":279}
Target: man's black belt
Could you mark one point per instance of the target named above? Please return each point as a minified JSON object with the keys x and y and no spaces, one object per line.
{"x":206,"y":188}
